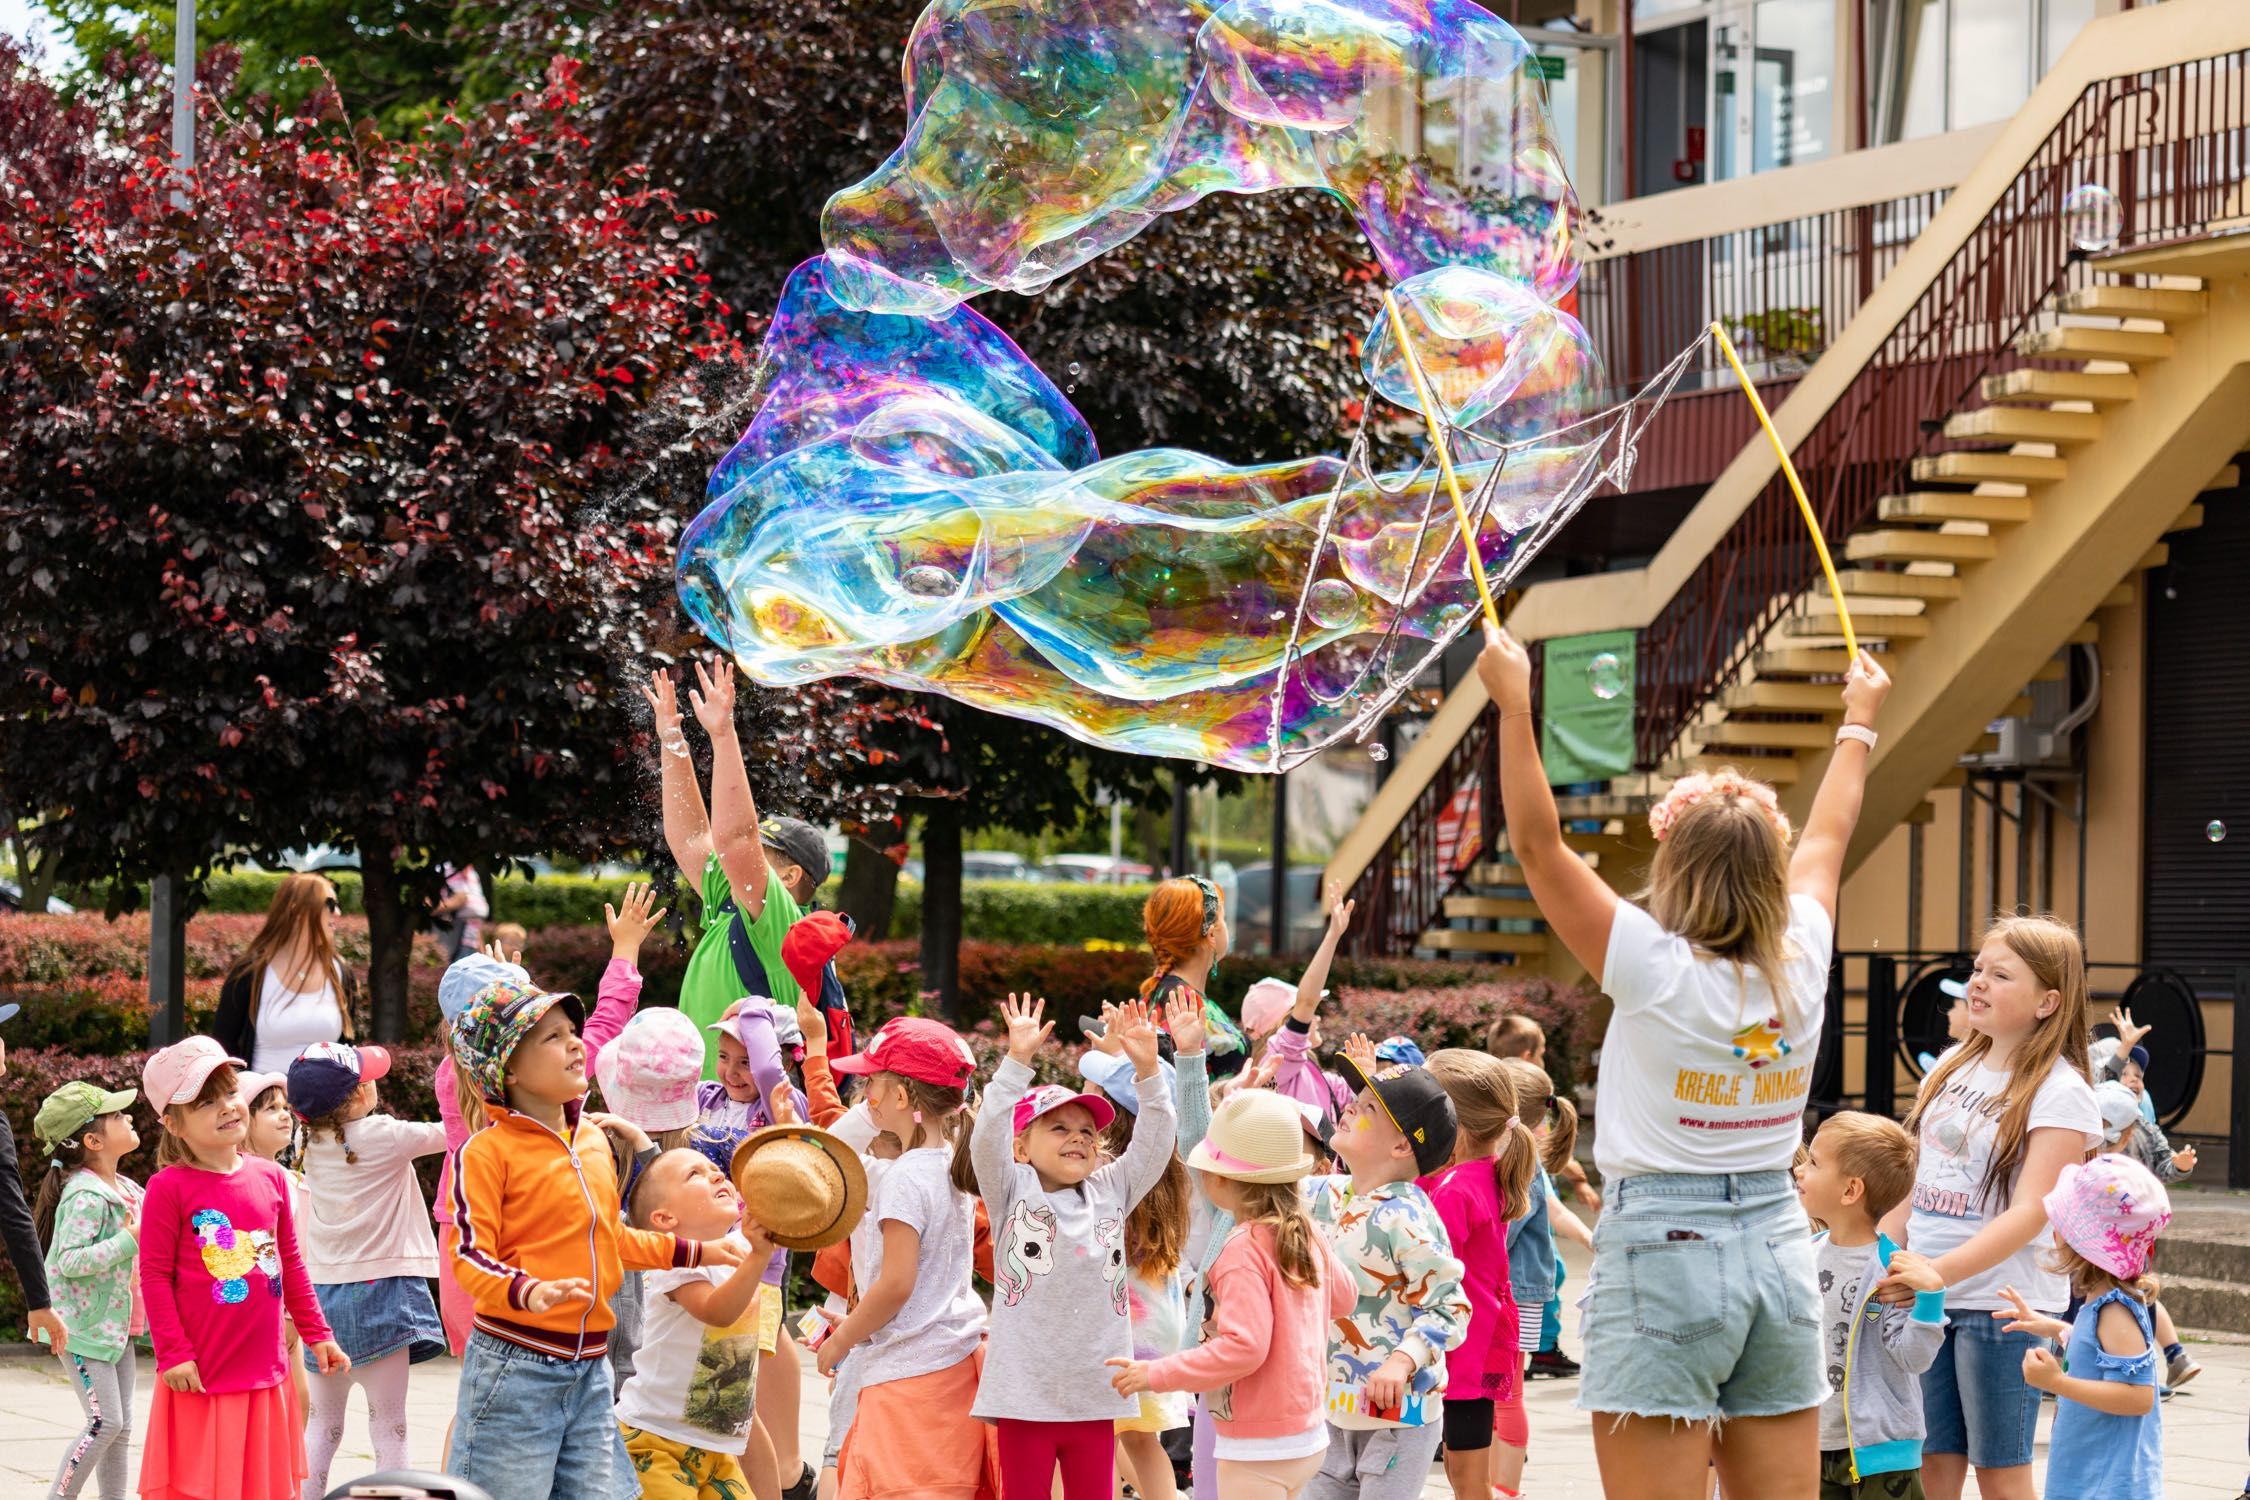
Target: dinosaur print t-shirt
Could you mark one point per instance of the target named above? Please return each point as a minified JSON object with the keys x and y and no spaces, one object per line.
{"x":1705,"y":1068}
{"x":942,"y":1320}
{"x":219,"y":1264}
{"x":692,"y":1382}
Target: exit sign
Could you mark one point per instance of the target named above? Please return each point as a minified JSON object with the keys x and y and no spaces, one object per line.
{"x":1549,"y":68}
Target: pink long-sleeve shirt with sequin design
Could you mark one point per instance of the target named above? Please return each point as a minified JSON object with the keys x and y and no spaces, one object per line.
{"x":219,"y":1263}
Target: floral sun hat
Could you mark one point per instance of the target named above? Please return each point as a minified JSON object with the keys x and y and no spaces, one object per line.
{"x":2110,"y":1210}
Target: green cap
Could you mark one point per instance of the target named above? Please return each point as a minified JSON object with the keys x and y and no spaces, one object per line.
{"x":74,"y":1106}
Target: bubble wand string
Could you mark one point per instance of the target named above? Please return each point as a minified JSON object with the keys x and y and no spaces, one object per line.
{"x":1445,"y":459}
{"x":1796,"y":487}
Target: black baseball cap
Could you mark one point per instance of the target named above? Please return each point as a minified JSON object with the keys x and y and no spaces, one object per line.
{"x":1417,"y":1105}
{"x":799,"y":842}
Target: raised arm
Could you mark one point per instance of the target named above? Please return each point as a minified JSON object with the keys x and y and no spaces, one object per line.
{"x":1817,"y":868}
{"x":1315,"y":979}
{"x":1156,"y":1129}
{"x":687,"y":829}
{"x":734,"y":812}
{"x":992,"y":1142}
{"x":1573,"y":899}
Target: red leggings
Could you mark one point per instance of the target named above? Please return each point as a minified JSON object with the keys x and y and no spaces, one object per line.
{"x":1029,"y":1452}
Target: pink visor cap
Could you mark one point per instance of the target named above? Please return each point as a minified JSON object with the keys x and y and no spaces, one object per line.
{"x":1049,"y":1097}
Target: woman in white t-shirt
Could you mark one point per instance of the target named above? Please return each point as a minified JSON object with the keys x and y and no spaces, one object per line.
{"x":1997,"y":1120}
{"x":1701,"y":1321}
{"x":289,"y":989}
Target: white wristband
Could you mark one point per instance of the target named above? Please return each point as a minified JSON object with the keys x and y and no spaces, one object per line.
{"x":1859,"y":732}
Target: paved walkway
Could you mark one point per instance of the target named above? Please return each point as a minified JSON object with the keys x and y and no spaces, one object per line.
{"x":2203,"y":1427}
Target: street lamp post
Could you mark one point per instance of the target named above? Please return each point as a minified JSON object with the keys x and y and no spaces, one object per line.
{"x":183,"y":99}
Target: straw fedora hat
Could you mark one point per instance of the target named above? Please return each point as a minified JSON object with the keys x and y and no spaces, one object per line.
{"x":802,"y":1185}
{"x":1256,"y":1136}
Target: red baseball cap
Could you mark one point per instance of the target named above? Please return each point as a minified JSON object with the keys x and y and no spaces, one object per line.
{"x":811,"y":941}
{"x":914,"y":1047}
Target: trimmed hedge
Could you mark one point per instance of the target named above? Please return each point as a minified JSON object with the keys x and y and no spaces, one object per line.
{"x":1023,"y":911}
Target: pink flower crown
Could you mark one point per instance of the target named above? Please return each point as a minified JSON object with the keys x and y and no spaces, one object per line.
{"x":1689,"y":790}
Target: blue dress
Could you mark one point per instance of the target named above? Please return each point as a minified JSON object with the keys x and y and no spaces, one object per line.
{"x":2093,"y":1455}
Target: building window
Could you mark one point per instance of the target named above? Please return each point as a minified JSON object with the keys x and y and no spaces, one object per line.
{"x":1938,"y":65}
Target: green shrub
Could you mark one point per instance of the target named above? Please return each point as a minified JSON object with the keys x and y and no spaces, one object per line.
{"x":1022,"y":911}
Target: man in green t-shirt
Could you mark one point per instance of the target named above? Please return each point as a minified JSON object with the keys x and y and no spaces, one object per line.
{"x":754,"y":881}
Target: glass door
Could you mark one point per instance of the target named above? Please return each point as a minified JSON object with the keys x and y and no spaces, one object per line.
{"x":1773,"y":85}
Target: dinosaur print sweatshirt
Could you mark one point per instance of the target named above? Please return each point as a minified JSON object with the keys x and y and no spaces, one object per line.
{"x":1058,"y":1263}
{"x":1410,"y":1297}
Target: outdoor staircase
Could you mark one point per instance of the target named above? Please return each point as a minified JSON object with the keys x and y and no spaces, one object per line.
{"x":1999,"y":441}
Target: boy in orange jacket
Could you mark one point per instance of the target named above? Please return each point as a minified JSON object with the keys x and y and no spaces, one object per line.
{"x":542,"y":1250}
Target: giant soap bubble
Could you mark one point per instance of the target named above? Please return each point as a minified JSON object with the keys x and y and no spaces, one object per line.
{"x":915,"y":502}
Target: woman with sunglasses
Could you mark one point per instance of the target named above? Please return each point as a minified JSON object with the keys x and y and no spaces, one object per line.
{"x":289,"y":989}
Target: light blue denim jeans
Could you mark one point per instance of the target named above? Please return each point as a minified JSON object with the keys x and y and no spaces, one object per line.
{"x":1703,"y":1304}
{"x":529,"y":1426}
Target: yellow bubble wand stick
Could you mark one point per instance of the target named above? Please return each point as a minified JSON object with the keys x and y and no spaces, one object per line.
{"x":1444,"y":458}
{"x":1796,"y":487}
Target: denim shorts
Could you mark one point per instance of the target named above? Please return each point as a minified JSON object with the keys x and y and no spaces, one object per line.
{"x":1703,"y":1303}
{"x":1974,"y":1399}
{"x":530,"y":1426}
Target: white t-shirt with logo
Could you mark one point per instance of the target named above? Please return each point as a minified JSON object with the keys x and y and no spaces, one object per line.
{"x":1957,"y":1131}
{"x":692,"y":1383}
{"x":1703,"y":1070}
{"x":943,"y":1319}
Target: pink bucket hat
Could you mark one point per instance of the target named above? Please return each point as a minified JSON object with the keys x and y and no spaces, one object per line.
{"x":2110,"y":1210}
{"x":1049,"y":1097}
{"x":648,"y":1075}
{"x":177,"y":1074}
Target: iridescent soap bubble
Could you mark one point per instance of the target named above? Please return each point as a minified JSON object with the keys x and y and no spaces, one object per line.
{"x":1332,"y":603}
{"x":1605,"y":675}
{"x":1378,"y":751}
{"x":2215,"y":831}
{"x":2092,"y":217}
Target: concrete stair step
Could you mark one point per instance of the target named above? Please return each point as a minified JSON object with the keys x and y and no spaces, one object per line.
{"x":1760,"y":734}
{"x":2058,"y":385}
{"x":2127,"y":346}
{"x":1941,"y":505}
{"x":2025,"y":424}
{"x":2204,"y":1304}
{"x":2189,"y":519}
{"x":1492,"y":909}
{"x":1821,"y":624}
{"x":2228,"y":478}
{"x":1868,"y":582}
{"x":1919,"y":546}
{"x":2160,"y":303}
{"x":1783,"y":697}
{"x":1978,"y":468}
{"x":1778,"y":770}
{"x":1454,"y":940}
{"x":1803,"y":661}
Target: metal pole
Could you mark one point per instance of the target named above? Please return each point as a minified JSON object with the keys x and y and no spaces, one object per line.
{"x":167,"y":961}
{"x":1882,"y":1034}
{"x":183,"y":99}
{"x":1179,"y":850}
{"x":2238,"y":1066}
{"x":1280,"y":922}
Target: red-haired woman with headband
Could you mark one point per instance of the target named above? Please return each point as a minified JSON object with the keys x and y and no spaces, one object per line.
{"x":1701,"y":1340}
{"x":1186,"y":923}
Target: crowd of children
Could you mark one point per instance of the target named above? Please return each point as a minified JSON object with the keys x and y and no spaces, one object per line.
{"x":1301,"y":1277}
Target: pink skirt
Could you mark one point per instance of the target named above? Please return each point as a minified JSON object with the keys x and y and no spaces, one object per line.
{"x":240,"y":1445}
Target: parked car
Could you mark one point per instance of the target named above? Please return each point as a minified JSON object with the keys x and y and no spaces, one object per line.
{"x":1252,"y":917}
{"x":1093,"y":869}
{"x":11,"y":901}
{"x":994,"y":864}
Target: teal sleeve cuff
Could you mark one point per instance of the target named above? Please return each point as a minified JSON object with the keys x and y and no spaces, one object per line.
{"x":1929,"y":1307}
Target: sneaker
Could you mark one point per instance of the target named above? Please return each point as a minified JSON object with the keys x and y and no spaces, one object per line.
{"x":2180,"y":1369}
{"x":1552,"y":1364}
{"x":807,"y":1485}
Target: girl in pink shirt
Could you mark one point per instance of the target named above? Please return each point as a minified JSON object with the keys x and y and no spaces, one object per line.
{"x":219,"y":1261}
{"x":1267,"y":1304}
{"x":1478,"y":1194}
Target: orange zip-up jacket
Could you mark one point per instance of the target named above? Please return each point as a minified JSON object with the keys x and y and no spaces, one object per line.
{"x":534,"y":1207}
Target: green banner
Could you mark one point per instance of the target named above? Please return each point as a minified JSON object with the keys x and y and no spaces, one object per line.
{"x":1588,"y":685}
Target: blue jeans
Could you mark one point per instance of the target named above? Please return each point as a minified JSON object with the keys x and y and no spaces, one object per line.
{"x":1974,"y":1398}
{"x":529,"y":1426}
{"x":1703,"y":1302}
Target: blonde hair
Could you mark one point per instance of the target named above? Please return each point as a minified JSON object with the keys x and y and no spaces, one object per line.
{"x":621,"y":1156}
{"x":1281,"y":1206}
{"x":1484,"y":1103}
{"x":2090,"y":1281}
{"x":1720,"y":880}
{"x":1877,"y":1151}
{"x":1156,"y":1229}
{"x":467,"y":1093}
{"x":1513,"y":1035}
{"x":1533,"y":1086}
{"x":2049,"y":948}
{"x":171,"y":1151}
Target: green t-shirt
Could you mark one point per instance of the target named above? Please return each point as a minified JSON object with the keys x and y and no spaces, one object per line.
{"x":712,"y":983}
